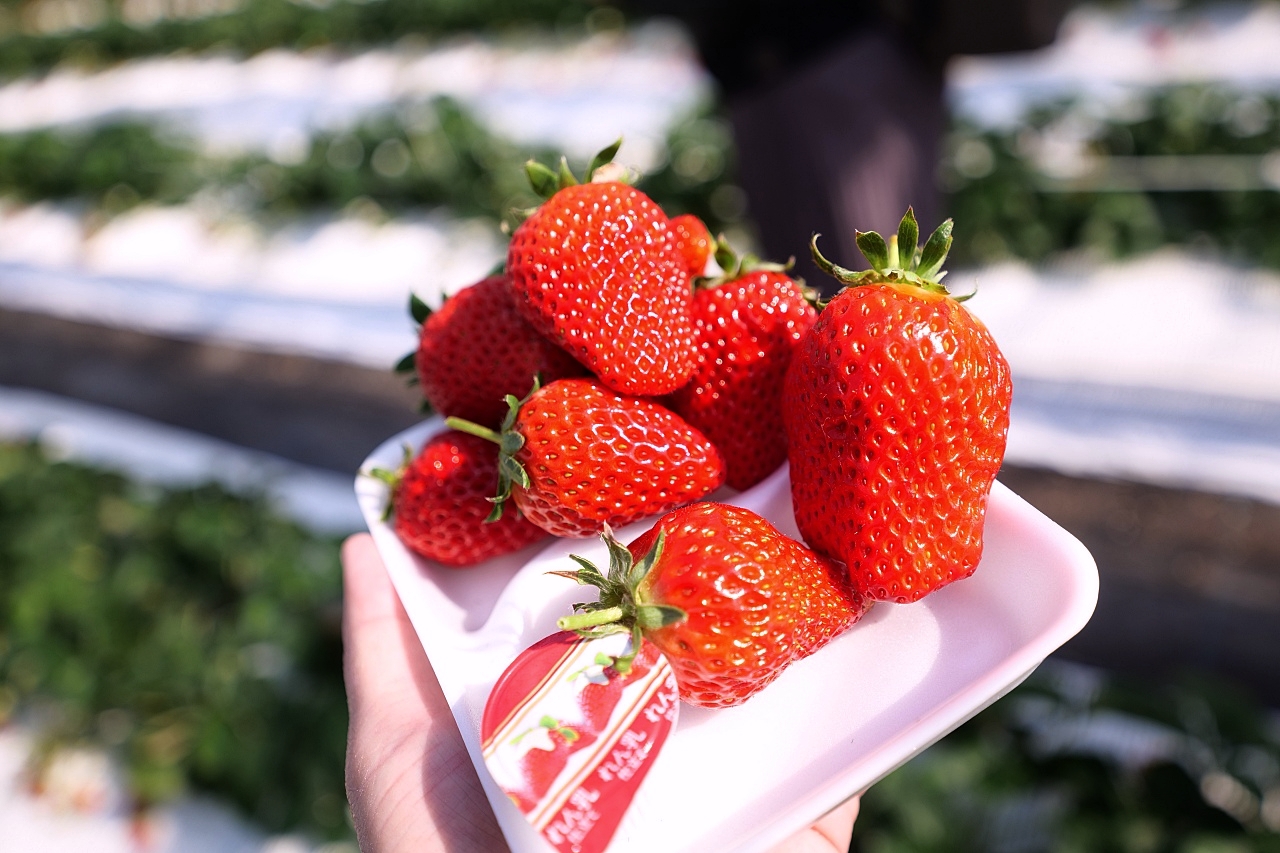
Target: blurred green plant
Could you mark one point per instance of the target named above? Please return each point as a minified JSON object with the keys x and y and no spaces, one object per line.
{"x":1075,"y":761}
{"x":697,"y":173}
{"x":192,"y":631}
{"x":425,"y":155}
{"x":36,"y":35}
{"x":1070,"y":177}
{"x":433,"y":154}
{"x":113,"y":165}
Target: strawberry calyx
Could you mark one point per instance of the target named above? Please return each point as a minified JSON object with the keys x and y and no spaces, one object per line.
{"x":550,"y":724}
{"x":601,"y":661}
{"x":408,"y":365}
{"x":620,"y":607}
{"x":420,"y":312}
{"x":509,"y":442}
{"x":546,"y":181}
{"x":734,"y":266}
{"x":392,"y":480}
{"x":899,"y":260}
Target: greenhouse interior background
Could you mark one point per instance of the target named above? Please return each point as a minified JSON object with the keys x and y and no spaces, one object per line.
{"x":212,"y":214}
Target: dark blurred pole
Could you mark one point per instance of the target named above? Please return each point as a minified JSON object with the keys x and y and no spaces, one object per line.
{"x":838,"y":108}
{"x":844,"y":143}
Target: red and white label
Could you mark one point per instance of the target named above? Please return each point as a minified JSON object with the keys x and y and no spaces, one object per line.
{"x":569,"y":738}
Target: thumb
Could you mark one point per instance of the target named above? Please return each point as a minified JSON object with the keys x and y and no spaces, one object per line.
{"x":382,"y":659}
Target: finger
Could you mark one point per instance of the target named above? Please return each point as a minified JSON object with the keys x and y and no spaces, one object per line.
{"x":831,"y":834}
{"x":836,"y":826}
{"x":410,"y":781}
{"x":381,"y":652}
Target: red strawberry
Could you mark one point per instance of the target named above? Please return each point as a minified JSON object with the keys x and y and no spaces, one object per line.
{"x":692,"y":241}
{"x":729,"y":600}
{"x":746,"y":323}
{"x":595,"y":270}
{"x":541,"y":766}
{"x":597,"y":698}
{"x":896,"y":408}
{"x":477,"y":348}
{"x":441,"y":499}
{"x":577,"y":456}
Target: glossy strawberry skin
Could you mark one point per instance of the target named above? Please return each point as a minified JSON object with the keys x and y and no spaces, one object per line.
{"x":594,"y":269}
{"x":443,"y":498}
{"x":595,"y":457}
{"x":692,"y":242}
{"x":756,"y":601}
{"x":478,"y":348}
{"x":896,"y":408}
{"x":746,"y":330}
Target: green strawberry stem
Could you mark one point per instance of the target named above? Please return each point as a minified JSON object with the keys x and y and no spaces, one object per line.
{"x":590,"y":619}
{"x":472,"y":428}
{"x":899,"y":259}
{"x":621,"y":606}
{"x":509,"y":443}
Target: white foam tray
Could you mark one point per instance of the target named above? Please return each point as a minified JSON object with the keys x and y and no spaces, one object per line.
{"x":744,"y":778}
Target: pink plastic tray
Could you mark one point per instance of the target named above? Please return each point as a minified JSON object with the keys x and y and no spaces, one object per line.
{"x":745,"y":778}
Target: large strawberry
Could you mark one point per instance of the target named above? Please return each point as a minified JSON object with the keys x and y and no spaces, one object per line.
{"x":595,"y":268}
{"x":577,"y":456}
{"x":728,"y":599}
{"x":441,"y":500}
{"x":477,"y":348}
{"x":896,"y":409}
{"x":747,"y":322}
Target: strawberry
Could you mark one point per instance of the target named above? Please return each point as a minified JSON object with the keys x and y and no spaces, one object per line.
{"x":746,"y":322}
{"x":540,"y":766}
{"x":595,"y":269}
{"x":476,"y":349}
{"x":692,"y":241}
{"x":728,"y":599}
{"x":577,"y":456}
{"x":600,"y":693}
{"x":441,"y":499}
{"x":896,"y":408}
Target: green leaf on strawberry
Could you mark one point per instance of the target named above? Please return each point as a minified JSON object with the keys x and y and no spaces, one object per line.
{"x":899,"y":259}
{"x":546,"y":181}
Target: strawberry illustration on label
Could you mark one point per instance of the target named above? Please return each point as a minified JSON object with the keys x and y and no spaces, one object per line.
{"x":572,"y":727}
{"x":601,"y":689}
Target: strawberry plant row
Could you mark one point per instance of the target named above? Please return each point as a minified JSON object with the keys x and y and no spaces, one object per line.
{"x":192,"y":632}
{"x":1000,"y":185}
{"x":251,"y":28}
{"x":1080,"y":760}
{"x":428,"y":155}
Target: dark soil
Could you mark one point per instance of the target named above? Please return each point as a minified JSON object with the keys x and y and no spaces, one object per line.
{"x":1189,"y":581}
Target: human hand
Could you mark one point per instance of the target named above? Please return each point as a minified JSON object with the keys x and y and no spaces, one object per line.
{"x":411,"y":785}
